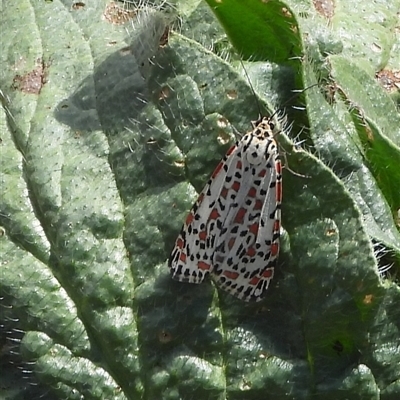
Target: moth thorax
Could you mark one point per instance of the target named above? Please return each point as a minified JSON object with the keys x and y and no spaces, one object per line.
{"x":256,"y":152}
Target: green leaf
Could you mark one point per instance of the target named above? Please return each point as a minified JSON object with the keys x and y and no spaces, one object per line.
{"x":252,"y":26}
{"x":106,"y":139}
{"x":381,"y":142}
{"x":336,"y":139}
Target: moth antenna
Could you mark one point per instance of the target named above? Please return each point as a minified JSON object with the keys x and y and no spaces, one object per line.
{"x":297,"y":93}
{"x":252,"y":89}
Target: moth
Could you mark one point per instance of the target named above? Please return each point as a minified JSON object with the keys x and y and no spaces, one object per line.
{"x":232,"y":231}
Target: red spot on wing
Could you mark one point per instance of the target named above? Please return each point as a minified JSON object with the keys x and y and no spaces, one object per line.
{"x":258,"y":205}
{"x":279,"y":191}
{"x":239,"y":165}
{"x":214,"y":214}
{"x":224,"y":193}
{"x":262,"y":173}
{"x":179,"y":243}
{"x":277,"y":225}
{"x":182,"y":257}
{"x":268,"y":273}
{"x":240,"y":216}
{"x":203,"y":265}
{"x":231,"y":243}
{"x":203,"y":235}
{"x":254,"y":229}
{"x":189,"y":219}
{"x":230,"y":151}
{"x":251,"y":252}
{"x":278,"y":166}
{"x":236,"y":186}
{"x":252,"y":192}
{"x":254,"y":281}
{"x":274,"y":249}
{"x":231,"y":275}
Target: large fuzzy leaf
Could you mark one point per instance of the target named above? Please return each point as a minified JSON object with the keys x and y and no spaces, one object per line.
{"x":109,"y":130}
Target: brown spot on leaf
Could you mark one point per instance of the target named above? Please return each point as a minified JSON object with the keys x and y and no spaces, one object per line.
{"x":126,"y":51}
{"x":330,"y":91}
{"x":331,"y":232}
{"x":78,"y":5}
{"x":232,"y":94}
{"x":223,"y":137}
{"x":286,"y":13}
{"x":33,"y":81}
{"x":389,"y":79}
{"x":368,"y":298}
{"x":222,"y":122}
{"x":164,"y":93}
{"x":164,"y":38}
{"x":117,"y":15}
{"x":325,"y":7}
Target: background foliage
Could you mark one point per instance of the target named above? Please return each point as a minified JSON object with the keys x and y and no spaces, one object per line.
{"x":113,"y":117}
